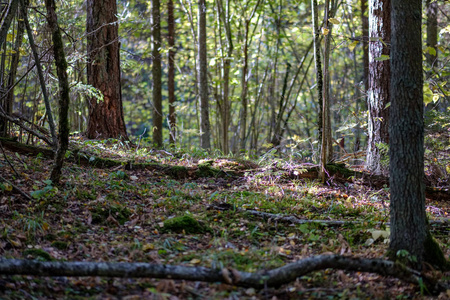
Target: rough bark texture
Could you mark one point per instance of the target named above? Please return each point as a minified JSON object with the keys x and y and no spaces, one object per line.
{"x":156,"y":75}
{"x":408,"y":219}
{"x":378,"y":98}
{"x":271,"y":278}
{"x":63,"y":83}
{"x":432,"y":30}
{"x":205,"y":127}
{"x":171,"y":72}
{"x":103,"y":71}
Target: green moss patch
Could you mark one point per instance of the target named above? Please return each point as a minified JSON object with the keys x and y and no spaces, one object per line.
{"x":38,"y":254}
{"x":184,"y":223}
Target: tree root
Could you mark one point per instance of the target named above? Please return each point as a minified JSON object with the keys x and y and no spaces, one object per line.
{"x":270,"y":278}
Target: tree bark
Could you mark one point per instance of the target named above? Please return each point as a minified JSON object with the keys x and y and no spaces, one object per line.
{"x":156,"y":75}
{"x":409,"y":228}
{"x":205,"y":127}
{"x":171,"y":72}
{"x":63,"y":83}
{"x":379,"y":69}
{"x":103,"y":71}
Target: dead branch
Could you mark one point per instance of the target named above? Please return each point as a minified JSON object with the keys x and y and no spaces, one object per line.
{"x":16,"y":189}
{"x":295,"y":220}
{"x":25,"y":127}
{"x":272,"y":278}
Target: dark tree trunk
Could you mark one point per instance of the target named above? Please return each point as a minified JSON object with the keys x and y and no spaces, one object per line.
{"x":171,"y":72}
{"x":103,"y":71}
{"x":409,"y":229}
{"x":205,"y":127}
{"x":6,"y":21}
{"x":9,"y":100}
{"x":379,"y":69}
{"x":432,"y":30}
{"x":156,"y":75}
{"x":61,"y":70}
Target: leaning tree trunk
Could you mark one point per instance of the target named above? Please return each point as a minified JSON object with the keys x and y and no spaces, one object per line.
{"x":61,"y":70}
{"x":103,"y":71}
{"x":409,"y":228}
{"x":205,"y":127}
{"x":379,"y":70}
{"x":156,"y":75}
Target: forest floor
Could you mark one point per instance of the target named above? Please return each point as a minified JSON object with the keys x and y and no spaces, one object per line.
{"x":118,"y":214}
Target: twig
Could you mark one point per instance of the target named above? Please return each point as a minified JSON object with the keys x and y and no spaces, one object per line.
{"x":15,"y":188}
{"x":7,"y":160}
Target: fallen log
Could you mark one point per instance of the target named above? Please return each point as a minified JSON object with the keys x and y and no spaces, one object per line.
{"x":270,"y":278}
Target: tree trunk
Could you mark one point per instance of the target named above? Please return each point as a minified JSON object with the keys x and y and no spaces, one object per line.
{"x":171,"y":73}
{"x":319,"y":75}
{"x":409,"y":229}
{"x":37,"y":60}
{"x":8,"y":102}
{"x":156,"y":75}
{"x":103,"y":71}
{"x":224,"y":14}
{"x":63,"y":83}
{"x":327,"y":144}
{"x":205,"y":127}
{"x":6,"y":22}
{"x":365,"y":43}
{"x":432,"y":32}
{"x":379,"y":69}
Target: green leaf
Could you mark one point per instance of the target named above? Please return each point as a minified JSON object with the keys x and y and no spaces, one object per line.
{"x":352,"y":46}
{"x":382,"y":57}
{"x":427,"y":95}
{"x":431,"y":50}
{"x":334,"y":21}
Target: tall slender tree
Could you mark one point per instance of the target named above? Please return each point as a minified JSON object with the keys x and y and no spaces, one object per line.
{"x":379,"y":83}
{"x":432,"y":31}
{"x":63,"y":83}
{"x":156,"y":75}
{"x":7,"y":103}
{"x":409,"y":228}
{"x":171,"y":72}
{"x":205,"y":127}
{"x":103,"y":70}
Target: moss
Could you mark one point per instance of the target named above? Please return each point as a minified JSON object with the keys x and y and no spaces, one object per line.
{"x":60,"y":245}
{"x":186,"y":223}
{"x":434,"y":255}
{"x":205,"y":170}
{"x":38,"y":254}
{"x":178,"y":172}
{"x":340,"y":169}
